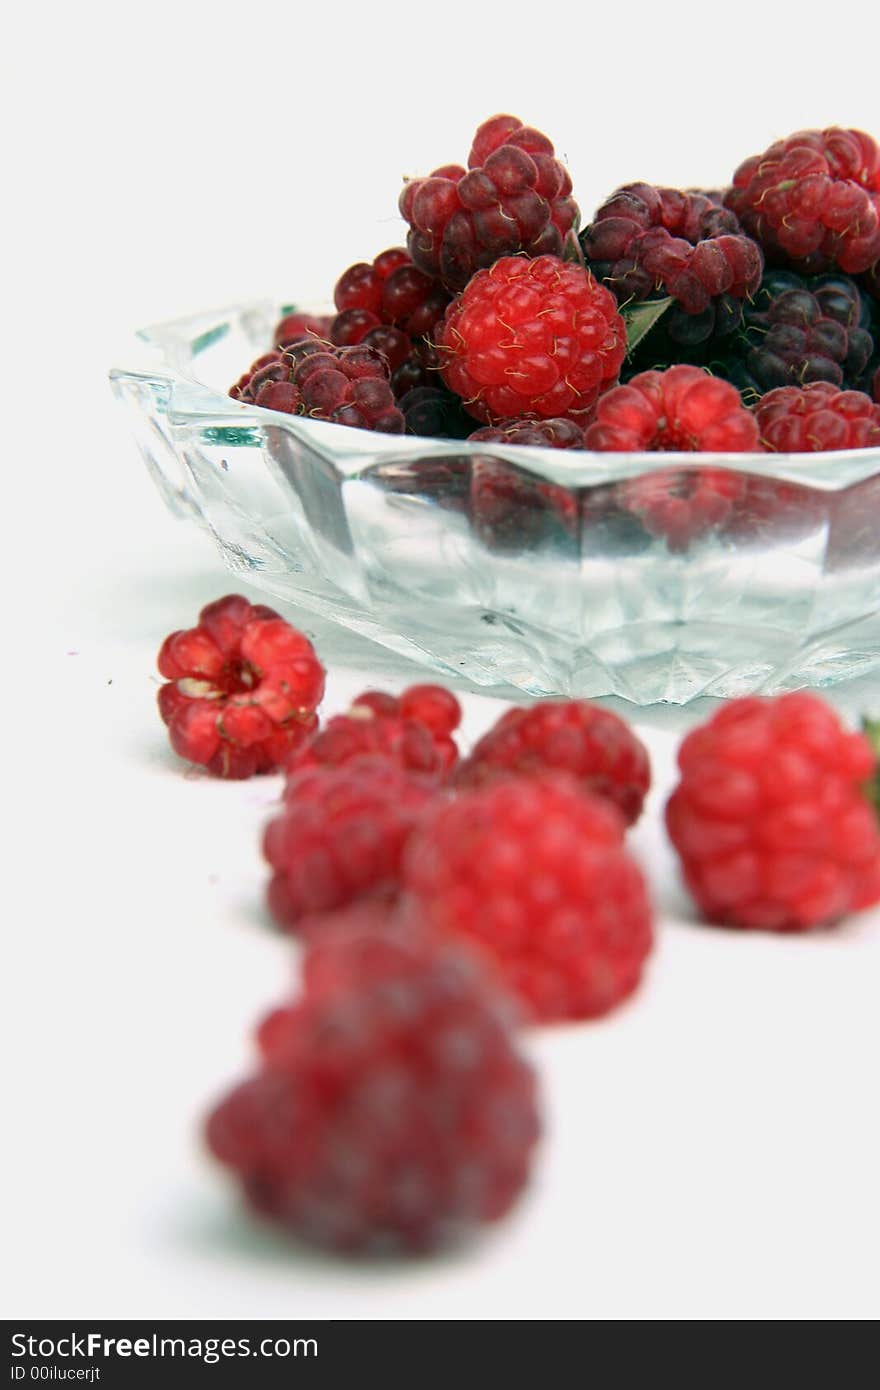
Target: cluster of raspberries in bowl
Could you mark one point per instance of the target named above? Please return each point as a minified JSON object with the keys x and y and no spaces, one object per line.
{"x":738,"y":320}
{"x":444,"y":897}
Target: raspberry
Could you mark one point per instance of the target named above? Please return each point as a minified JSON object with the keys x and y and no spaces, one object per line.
{"x":590,"y":743}
{"x":393,"y":291}
{"x":814,"y":418}
{"x":347,"y":386}
{"x":514,"y":197}
{"x":340,"y":836}
{"x":646,"y":239}
{"x":434,"y":411}
{"x":242,"y":688}
{"x":682,"y":409}
{"x":293,"y":327}
{"x":813,"y":200}
{"x":546,"y":434}
{"x":770,"y":817}
{"x":408,"y":730}
{"x":537,"y":337}
{"x":537,"y":873}
{"x":391,"y":1107}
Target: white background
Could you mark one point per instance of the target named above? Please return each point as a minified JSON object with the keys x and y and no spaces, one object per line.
{"x":712,"y":1149}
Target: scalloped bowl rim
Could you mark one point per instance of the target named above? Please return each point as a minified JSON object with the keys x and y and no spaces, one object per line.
{"x":571,"y":467}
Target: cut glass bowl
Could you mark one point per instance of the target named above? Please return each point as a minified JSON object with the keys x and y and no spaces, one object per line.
{"x":549,"y":571}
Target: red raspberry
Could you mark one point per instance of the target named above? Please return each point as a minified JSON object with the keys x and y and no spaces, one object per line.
{"x":590,"y":743}
{"x":340,"y":836}
{"x":537,"y":337}
{"x":242,"y":688}
{"x":682,"y":409}
{"x":293,"y":327}
{"x":813,"y":200}
{"x":537,"y":872}
{"x":546,"y":434}
{"x":414,"y":730}
{"x":515,"y":197}
{"x":393,"y":291}
{"x":646,"y":239}
{"x":391,"y":1107}
{"x":770,"y":817}
{"x":811,"y":419}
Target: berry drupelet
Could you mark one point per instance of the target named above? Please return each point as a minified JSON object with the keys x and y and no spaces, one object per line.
{"x":771,"y":817}
{"x":531,"y":337}
{"x":242,"y":689}
{"x":515,"y":196}
{"x":391,"y":1108}
{"x":813,"y":200}
{"x":647,"y":240}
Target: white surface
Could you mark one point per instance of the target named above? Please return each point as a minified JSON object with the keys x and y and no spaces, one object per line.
{"x":712,"y":1150}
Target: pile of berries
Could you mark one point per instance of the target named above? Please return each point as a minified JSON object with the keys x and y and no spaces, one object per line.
{"x":443,"y":898}
{"x":443,"y":901}
{"x":500,"y":314}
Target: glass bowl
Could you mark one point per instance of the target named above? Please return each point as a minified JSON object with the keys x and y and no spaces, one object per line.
{"x":654,"y":577}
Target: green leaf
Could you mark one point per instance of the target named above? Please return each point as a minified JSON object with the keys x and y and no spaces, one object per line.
{"x":640,"y":319}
